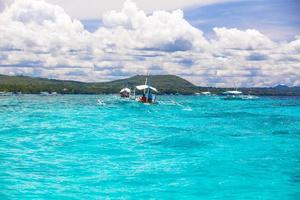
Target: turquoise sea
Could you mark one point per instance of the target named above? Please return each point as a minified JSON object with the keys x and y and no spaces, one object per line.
{"x":185,"y":147}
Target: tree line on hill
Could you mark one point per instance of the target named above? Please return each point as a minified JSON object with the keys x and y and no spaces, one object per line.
{"x":166,"y":84}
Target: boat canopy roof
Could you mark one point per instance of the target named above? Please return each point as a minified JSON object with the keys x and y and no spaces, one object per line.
{"x":233,"y":92}
{"x":125,"y":90}
{"x":143,"y":87}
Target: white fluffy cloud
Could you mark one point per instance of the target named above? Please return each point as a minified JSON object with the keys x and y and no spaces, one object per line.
{"x":93,"y":9}
{"x":38,"y":26}
{"x":237,"y":39}
{"x":132,"y":28}
{"x":40,"y":39}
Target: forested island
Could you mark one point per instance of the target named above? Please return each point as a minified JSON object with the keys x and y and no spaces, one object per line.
{"x":166,"y":84}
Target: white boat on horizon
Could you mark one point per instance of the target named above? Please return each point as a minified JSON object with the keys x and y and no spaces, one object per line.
{"x":48,"y":93}
{"x":237,"y":95}
{"x":233,"y":95}
{"x":6,"y":93}
{"x":207,"y":93}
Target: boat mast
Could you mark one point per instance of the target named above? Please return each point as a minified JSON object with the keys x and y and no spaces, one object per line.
{"x":146,"y":83}
{"x":236,"y":88}
{"x":148,"y":91}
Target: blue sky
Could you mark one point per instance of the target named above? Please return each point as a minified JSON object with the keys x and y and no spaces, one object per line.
{"x":279,"y":19}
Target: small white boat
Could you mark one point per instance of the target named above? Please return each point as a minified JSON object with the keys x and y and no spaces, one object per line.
{"x":237,"y":95}
{"x":232,"y":92}
{"x":125,"y":93}
{"x":44,"y":93}
{"x":48,"y":93}
{"x":6,"y":93}
{"x":233,"y":95}
{"x":206,"y":93}
{"x":249,"y":97}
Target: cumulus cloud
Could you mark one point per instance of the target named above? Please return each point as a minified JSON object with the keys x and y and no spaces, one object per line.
{"x":83,"y":9}
{"x":38,"y":26}
{"x":166,"y":31}
{"x":237,"y":39}
{"x":40,"y":39}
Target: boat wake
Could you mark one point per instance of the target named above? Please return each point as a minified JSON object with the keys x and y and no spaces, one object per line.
{"x":101,"y":103}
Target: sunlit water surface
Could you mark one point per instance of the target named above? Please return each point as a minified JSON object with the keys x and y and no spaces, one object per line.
{"x":185,"y":147}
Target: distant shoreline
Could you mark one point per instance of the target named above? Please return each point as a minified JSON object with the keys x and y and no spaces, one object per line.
{"x":166,"y":84}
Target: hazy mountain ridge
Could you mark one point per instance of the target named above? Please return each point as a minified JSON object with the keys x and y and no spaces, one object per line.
{"x":166,"y":84}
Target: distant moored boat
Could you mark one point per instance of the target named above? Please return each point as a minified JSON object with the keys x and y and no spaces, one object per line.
{"x":206,"y":93}
{"x":125,"y":92}
{"x":237,"y":95}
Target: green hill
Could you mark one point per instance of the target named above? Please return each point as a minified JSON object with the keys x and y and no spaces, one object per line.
{"x":27,"y":84}
{"x":166,"y":84}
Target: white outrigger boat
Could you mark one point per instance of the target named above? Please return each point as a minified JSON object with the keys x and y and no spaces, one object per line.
{"x":207,"y":93}
{"x":6,"y":93}
{"x":125,"y":93}
{"x":147,"y":95}
{"x":48,"y":93}
{"x":202,"y":93}
{"x":232,"y":95}
{"x":237,"y":95}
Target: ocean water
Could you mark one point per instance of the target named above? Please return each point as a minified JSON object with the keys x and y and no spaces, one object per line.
{"x":185,"y":147}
